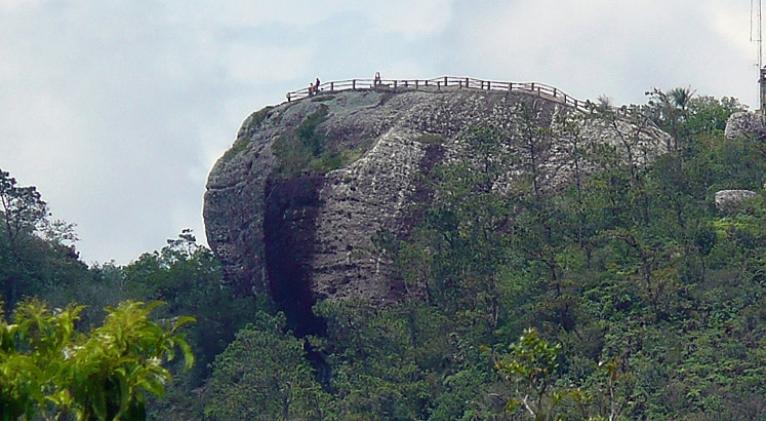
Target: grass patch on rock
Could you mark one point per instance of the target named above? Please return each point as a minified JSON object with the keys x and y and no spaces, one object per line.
{"x":305,"y":151}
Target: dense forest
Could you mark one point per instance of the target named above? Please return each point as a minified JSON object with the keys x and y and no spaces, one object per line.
{"x":621,"y":294}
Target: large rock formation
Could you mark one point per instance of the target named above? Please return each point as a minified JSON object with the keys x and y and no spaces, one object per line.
{"x":290,"y":227}
{"x":746,"y":124}
{"x":728,"y":200}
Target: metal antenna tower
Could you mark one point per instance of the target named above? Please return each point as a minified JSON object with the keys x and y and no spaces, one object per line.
{"x":756,"y":35}
{"x":756,"y":28}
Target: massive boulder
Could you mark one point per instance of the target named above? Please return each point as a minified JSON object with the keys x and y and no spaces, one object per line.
{"x":746,"y":124}
{"x":306,"y":233}
{"x":728,"y":200}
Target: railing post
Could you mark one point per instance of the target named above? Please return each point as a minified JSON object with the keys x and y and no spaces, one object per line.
{"x":395,"y":82}
{"x":539,"y":91}
{"x":426,"y":83}
{"x":482,"y":85}
{"x":438,"y":86}
{"x":489,"y":85}
{"x":510,"y":86}
{"x":405,"y":84}
{"x":555,"y":92}
{"x":533,"y":86}
{"x":575,"y":104}
{"x":332,"y":86}
{"x":288,"y":97}
{"x":445,"y":81}
{"x":467,"y":85}
{"x":353,"y":84}
{"x":416,"y":84}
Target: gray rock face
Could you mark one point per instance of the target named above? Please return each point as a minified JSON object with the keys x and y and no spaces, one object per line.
{"x":727,"y":200}
{"x":311,"y":236}
{"x":746,"y":124}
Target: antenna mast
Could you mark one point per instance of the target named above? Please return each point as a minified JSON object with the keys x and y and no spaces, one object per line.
{"x":756,"y":28}
{"x":759,"y":33}
{"x":756,"y":35}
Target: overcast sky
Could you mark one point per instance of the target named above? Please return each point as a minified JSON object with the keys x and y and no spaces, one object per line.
{"x":116,"y":110}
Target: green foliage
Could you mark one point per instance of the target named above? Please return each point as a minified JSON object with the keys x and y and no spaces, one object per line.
{"x":263,"y":375}
{"x":633,"y":298}
{"x":307,"y":151}
{"x":386,"y":363}
{"x":48,"y":368}
{"x":303,"y":150}
{"x":532,"y":365}
{"x":709,"y":115}
{"x":627,"y":268}
{"x":188,"y":278}
{"x":531,"y":360}
{"x":36,"y":252}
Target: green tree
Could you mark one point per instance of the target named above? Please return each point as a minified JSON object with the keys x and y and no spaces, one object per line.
{"x":49,"y":369}
{"x":387,"y":363}
{"x":264,"y":375}
{"x":36,"y":253}
{"x":23,"y":212}
{"x":189,"y":279}
{"x":531,"y":366}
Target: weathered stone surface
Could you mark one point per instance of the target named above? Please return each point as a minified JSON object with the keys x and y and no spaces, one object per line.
{"x":727,"y":200}
{"x":284,"y":237}
{"x":746,"y":124}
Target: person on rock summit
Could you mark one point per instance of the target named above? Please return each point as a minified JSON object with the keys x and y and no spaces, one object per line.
{"x":316,"y":87}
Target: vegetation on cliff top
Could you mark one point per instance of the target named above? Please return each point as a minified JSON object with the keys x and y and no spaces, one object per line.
{"x":307,"y":151}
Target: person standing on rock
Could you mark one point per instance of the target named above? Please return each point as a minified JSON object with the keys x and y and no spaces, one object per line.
{"x":316,"y":87}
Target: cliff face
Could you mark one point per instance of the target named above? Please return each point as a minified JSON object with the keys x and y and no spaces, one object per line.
{"x":300,"y":227}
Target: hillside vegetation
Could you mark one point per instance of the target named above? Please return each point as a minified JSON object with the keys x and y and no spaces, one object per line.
{"x":623,"y":294}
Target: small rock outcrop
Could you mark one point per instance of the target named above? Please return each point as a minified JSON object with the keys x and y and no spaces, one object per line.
{"x":746,"y":124}
{"x":728,"y":200}
{"x":293,"y":207}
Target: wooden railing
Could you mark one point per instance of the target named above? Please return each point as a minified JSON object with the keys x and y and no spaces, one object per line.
{"x":443,"y":83}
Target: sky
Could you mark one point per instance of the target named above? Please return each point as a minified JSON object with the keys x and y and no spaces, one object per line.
{"x":117,"y":110}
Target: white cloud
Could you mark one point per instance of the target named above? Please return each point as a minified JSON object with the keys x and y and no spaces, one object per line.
{"x":409,"y":18}
{"x":590,"y":47}
{"x":393,"y":16}
{"x":732,"y":23}
{"x":262,"y":64}
{"x":253,"y":13}
{"x":7,"y":6}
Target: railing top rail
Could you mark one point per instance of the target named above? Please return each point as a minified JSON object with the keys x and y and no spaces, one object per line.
{"x":533,"y":88}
